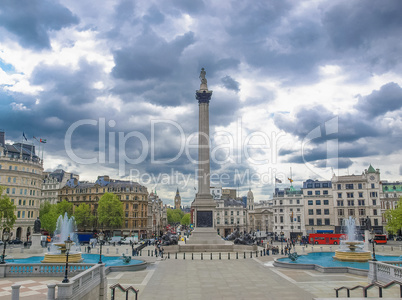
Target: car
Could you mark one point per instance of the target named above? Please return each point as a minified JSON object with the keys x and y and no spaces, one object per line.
{"x":398,"y":238}
{"x":15,"y":242}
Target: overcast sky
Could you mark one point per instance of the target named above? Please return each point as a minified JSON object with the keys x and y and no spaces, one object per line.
{"x":308,"y":86}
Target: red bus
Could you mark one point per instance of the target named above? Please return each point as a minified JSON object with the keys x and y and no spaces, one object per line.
{"x":325,"y":238}
{"x":380,"y":239}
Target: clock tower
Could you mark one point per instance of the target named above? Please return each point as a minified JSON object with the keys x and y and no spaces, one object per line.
{"x":177,"y":200}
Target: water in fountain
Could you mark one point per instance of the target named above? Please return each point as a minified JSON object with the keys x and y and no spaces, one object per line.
{"x":64,"y":227}
{"x":349,"y":225}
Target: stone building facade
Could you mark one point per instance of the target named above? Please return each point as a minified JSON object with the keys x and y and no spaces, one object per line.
{"x":157,"y":216}
{"x":53,"y":182}
{"x":133,"y":197}
{"x":21,"y":173}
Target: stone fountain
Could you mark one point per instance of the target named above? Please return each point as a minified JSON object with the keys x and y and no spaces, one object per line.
{"x":351,"y":249}
{"x":65,"y":228}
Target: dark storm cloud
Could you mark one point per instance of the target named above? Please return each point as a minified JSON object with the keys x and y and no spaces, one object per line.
{"x":150,"y":57}
{"x":32,"y":20}
{"x":154,"y":16}
{"x":388,"y":98}
{"x":230,"y":83}
{"x":353,"y":24}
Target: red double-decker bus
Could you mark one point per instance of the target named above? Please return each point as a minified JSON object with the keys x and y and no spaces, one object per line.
{"x":325,"y":238}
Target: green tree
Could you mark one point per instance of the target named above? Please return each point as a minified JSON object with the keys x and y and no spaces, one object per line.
{"x":83,"y":216}
{"x":48,"y":215}
{"x":7,"y":208}
{"x":64,"y":207}
{"x":185,"y":220}
{"x":110,"y":211}
{"x":174,"y":216}
{"x":394,"y":218}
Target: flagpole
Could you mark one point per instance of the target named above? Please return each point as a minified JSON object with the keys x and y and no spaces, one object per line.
{"x":22,"y":140}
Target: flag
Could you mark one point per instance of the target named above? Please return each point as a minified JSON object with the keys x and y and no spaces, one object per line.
{"x":290,"y":179}
{"x":277,"y":180}
{"x":43,"y":141}
{"x":23,"y":135}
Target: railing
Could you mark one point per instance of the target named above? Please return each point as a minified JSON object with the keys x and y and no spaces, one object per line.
{"x":385,"y":271}
{"x":43,"y":270}
{"x":125,"y":290}
{"x":366,"y":288}
{"x":82,"y":284}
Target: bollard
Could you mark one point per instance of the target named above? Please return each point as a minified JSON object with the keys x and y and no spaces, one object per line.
{"x":168,"y":255}
{"x":192,"y":256}
{"x":107,"y":250}
{"x":382,"y":248}
{"x":260,"y":252}
{"x":117,"y":250}
{"x":228,"y":256}
{"x":237,"y":255}
{"x":219,"y":255}
{"x":211,"y":255}
{"x":400,"y":248}
{"x":303,"y":249}
{"x":244,"y":255}
{"x":201,"y":256}
{"x":184,"y":255}
{"x":321,"y":249}
{"x":152,"y":253}
{"x":330,"y":248}
{"x":251,"y":254}
{"x":140,"y":252}
{"x":175,"y":255}
{"x":51,"y":291}
{"x":264,"y":252}
{"x":148,"y":253}
{"x":256,"y":253}
{"x":15,"y":292}
{"x":312,"y":249}
{"x":392,"y":248}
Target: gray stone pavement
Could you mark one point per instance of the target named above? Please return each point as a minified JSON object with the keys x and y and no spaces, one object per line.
{"x":250,"y":278}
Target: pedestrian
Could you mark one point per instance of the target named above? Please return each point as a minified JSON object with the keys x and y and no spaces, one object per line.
{"x":156,"y":251}
{"x":132,"y":249}
{"x":89,"y":248}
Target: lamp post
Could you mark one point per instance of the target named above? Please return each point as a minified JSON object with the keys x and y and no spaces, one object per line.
{"x":101,"y":236}
{"x":282,"y":242}
{"x":68,"y":243}
{"x":373,"y":242}
{"x":6,"y":236}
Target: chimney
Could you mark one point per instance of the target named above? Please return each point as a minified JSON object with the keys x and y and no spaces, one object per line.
{"x":2,"y":138}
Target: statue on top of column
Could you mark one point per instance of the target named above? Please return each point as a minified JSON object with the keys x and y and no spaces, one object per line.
{"x":203,"y":85}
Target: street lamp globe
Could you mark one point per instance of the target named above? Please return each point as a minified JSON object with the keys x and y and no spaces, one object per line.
{"x":6,"y":236}
{"x":68,"y":243}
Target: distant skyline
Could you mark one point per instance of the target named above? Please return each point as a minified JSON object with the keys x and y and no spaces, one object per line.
{"x":315,"y":86}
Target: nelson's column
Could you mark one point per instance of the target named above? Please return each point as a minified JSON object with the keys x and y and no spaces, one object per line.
{"x":204,"y":205}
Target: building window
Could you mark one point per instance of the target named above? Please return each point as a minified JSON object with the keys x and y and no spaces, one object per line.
{"x":339,"y":195}
{"x":349,"y":186}
{"x":309,"y":193}
{"x":298,"y":201}
{"x":319,"y":222}
{"x":362,"y":212}
{"x":361,"y":202}
{"x":311,"y":212}
{"x":351,"y":203}
{"x":374,"y":212}
{"x":325,"y":192}
{"x":326,"y":202}
{"x":19,"y":214}
{"x":351,"y":212}
{"x":373,"y":194}
{"x":340,"y":202}
{"x":311,"y":222}
{"x":327,"y":222}
{"x":326,"y":211}
{"x":341,"y":212}
{"x":374,"y":202}
{"x":318,"y":211}
{"x":309,"y":185}
{"x":359,"y":186}
{"x":281,"y":219}
{"x":317,"y":193}
{"x":298,"y":219}
{"x":325,"y":185}
{"x":375,"y":222}
{"x":360,"y":194}
{"x":373,"y":186}
{"x":316,"y":185}
{"x":349,"y":195}
{"x":317,"y":202}
{"x":310,"y":202}
{"x":339,"y":186}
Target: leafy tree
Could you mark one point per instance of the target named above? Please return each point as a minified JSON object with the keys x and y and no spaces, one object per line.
{"x":64,"y":207}
{"x":394,"y":218}
{"x":185,"y":220}
{"x":174,"y":216}
{"x":48,"y":215}
{"x":83,"y":216}
{"x":110,"y":211}
{"x":7,"y":208}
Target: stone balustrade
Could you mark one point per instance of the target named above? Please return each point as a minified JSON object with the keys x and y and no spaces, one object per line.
{"x":41,"y":270}
{"x":385,"y":271}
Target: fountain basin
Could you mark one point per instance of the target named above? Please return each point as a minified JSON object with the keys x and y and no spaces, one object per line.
{"x":61,"y":258}
{"x":361,"y":256}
